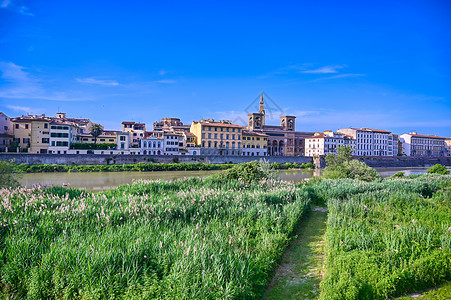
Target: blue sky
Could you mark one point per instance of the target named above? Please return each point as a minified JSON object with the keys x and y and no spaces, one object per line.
{"x":333,"y":64}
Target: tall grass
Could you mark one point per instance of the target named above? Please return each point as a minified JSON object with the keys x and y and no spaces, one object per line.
{"x":194,"y":238}
{"x":144,"y":167}
{"x":387,"y":238}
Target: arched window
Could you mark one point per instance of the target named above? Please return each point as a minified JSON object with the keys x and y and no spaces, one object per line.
{"x":145,"y":144}
{"x":154,"y":144}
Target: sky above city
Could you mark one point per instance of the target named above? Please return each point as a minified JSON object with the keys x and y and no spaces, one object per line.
{"x":332,"y":64}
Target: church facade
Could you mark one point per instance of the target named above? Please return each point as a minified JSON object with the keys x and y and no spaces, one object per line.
{"x":283,"y":140}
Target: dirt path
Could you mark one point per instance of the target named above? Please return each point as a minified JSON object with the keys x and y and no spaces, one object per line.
{"x":299,"y":273}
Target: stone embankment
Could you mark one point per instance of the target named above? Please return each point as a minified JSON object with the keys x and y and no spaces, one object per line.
{"x":395,"y":161}
{"x":99,"y":159}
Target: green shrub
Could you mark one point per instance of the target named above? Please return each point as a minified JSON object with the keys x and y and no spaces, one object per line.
{"x":246,"y":172}
{"x":93,"y":146}
{"x":438,"y":169}
{"x":398,"y":175}
{"x":343,"y":166}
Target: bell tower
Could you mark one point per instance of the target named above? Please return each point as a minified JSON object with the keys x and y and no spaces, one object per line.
{"x":288,"y":123}
{"x":261,"y":109}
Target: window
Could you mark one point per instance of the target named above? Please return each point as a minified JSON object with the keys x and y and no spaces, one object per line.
{"x":122,"y":138}
{"x":5,"y":127}
{"x":46,"y":125}
{"x":203,"y":135}
{"x":45,"y":140}
{"x":17,"y":126}
{"x":26,"y":126}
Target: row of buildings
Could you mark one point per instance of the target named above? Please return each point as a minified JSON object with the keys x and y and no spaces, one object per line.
{"x":64,"y":135}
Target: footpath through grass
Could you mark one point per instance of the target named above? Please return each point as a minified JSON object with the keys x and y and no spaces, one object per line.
{"x":299,"y":274}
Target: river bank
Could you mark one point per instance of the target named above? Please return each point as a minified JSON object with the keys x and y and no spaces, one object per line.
{"x":100,"y":181}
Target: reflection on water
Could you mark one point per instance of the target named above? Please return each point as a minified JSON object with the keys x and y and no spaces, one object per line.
{"x":106,"y":180}
{"x":98,"y":181}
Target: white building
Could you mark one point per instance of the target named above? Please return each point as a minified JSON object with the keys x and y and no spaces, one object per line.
{"x":136,"y":132}
{"x":152,"y":146}
{"x":6,"y":131}
{"x":371,"y":142}
{"x":415,"y":144}
{"x":448,"y":146}
{"x":172,"y":143}
{"x":62,"y":134}
{"x":327,"y":143}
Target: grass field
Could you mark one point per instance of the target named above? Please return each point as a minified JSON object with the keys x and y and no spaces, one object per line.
{"x":223,"y":238}
{"x":196,"y":238}
{"x":388,"y":238}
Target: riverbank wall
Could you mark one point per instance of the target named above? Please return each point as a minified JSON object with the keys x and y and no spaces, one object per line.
{"x":394,"y":161}
{"x":99,"y":159}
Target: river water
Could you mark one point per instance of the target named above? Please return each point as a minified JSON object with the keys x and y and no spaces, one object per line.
{"x":99,"y":181}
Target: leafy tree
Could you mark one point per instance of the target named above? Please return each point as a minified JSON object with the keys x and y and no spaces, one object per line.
{"x":13,"y":146}
{"x":8,"y":174}
{"x":438,"y":169}
{"x":96,"y":130}
{"x":343,"y":166}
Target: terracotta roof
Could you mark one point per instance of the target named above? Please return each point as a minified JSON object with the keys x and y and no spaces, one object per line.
{"x":126,"y":122}
{"x":217,"y":124}
{"x":374,"y":130}
{"x":254,"y":133}
{"x":57,"y":122}
{"x":78,"y":121}
{"x":190,"y":134}
{"x":28,"y":119}
{"x":427,"y":136}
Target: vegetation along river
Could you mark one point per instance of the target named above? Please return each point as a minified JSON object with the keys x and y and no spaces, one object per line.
{"x":99,"y":181}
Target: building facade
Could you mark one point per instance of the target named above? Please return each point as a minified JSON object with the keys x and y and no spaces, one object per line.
{"x":62,"y":135}
{"x":327,"y":143}
{"x":371,"y":142}
{"x":152,"y":146}
{"x":171,"y":143}
{"x":283,"y":140}
{"x":254,"y":144}
{"x":218,"y":138}
{"x":415,"y":144}
{"x":136,"y":132}
{"x":6,"y":132}
{"x":448,"y":147}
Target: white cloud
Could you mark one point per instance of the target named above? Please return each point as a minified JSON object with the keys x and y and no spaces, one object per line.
{"x":19,"y":108}
{"x":325,"y":70}
{"x":347,"y":75}
{"x":5,"y":3}
{"x":168,"y":81}
{"x":92,"y":80}
{"x":25,"y":11}
{"x":21,"y":85}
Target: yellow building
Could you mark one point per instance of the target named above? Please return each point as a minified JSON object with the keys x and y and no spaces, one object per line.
{"x":255,"y":144}
{"x":218,"y":138}
{"x":32,"y":133}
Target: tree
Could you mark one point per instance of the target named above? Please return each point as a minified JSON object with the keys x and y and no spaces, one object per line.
{"x":438,"y":169}
{"x":96,"y":130}
{"x":8,"y":174}
{"x":343,"y":166}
